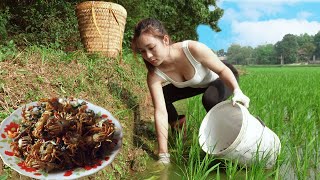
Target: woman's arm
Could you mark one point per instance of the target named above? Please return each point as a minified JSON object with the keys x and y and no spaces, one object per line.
{"x":160,"y":111}
{"x":208,"y":58}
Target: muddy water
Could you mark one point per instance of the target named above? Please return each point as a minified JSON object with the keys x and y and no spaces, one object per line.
{"x":165,"y":173}
{"x":157,"y":171}
{"x":172,"y":172}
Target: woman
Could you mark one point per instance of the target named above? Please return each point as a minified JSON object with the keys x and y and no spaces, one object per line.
{"x":177,"y":71}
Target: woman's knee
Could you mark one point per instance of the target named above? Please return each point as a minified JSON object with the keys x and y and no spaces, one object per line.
{"x":211,"y":98}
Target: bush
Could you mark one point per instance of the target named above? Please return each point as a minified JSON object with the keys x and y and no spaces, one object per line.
{"x":4,"y":17}
{"x":8,"y":50}
{"x":49,"y":23}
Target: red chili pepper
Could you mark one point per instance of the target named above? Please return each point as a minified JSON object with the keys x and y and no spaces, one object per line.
{"x":3,"y":136}
{"x":9,"y":153}
{"x":68,"y":173}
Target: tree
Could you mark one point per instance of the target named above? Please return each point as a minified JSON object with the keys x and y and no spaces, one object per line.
{"x":233,"y":53}
{"x":182,"y":17}
{"x":303,"y":39}
{"x":239,"y":55}
{"x":306,"y":51}
{"x":306,"y":47}
{"x":316,"y":42}
{"x":221,"y":52}
{"x":265,"y":54}
{"x":287,"y":48}
{"x":46,"y":22}
{"x":246,"y":55}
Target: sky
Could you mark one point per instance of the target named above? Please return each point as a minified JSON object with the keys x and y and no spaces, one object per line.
{"x":259,"y":22}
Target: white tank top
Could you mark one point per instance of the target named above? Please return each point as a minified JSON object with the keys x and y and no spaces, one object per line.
{"x":202,"y":77}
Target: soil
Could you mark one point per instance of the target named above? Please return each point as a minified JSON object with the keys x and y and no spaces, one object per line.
{"x":26,"y":79}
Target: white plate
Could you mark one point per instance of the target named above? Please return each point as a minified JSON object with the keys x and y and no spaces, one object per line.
{"x":17,"y":163}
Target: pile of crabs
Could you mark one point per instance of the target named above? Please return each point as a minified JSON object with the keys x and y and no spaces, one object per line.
{"x":61,"y":133}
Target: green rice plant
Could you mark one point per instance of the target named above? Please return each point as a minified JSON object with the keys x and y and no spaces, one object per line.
{"x":198,"y":167}
{"x":194,"y":164}
{"x":286,"y":99}
{"x":231,"y":169}
{"x":179,"y":146}
{"x":218,"y":177}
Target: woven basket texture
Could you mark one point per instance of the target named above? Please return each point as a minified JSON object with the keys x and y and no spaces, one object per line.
{"x":101,"y":26}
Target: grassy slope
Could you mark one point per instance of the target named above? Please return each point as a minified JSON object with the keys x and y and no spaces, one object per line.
{"x":118,"y":86}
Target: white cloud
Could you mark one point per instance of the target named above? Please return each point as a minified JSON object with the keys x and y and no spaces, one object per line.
{"x":304,"y":15}
{"x":254,"y":33}
{"x":230,"y":15}
{"x":251,"y":11}
{"x":233,"y":15}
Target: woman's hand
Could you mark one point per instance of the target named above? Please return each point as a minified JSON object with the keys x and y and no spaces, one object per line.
{"x":238,"y":96}
{"x":164,"y":158}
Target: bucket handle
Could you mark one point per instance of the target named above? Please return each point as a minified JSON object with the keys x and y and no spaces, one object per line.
{"x":262,"y":123}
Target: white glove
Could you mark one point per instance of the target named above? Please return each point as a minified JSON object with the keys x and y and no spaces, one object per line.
{"x":238,"y":96}
{"x":164,"y":158}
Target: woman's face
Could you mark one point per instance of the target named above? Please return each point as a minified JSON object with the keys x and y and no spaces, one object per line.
{"x":153,"y":49}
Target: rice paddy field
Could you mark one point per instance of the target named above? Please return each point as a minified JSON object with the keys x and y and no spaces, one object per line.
{"x":287,"y":100}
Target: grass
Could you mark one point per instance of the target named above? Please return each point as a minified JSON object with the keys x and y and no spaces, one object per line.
{"x":286,"y":99}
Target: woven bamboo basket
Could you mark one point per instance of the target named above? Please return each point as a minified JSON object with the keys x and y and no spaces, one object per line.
{"x":101,"y":26}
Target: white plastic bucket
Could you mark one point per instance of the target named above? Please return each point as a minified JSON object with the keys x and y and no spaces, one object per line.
{"x":231,"y":132}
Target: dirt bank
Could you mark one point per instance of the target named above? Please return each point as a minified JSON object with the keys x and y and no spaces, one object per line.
{"x":27,"y":78}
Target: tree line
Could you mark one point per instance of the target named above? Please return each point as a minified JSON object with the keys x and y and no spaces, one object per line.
{"x":302,"y":48}
{"x":54,"y":23}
